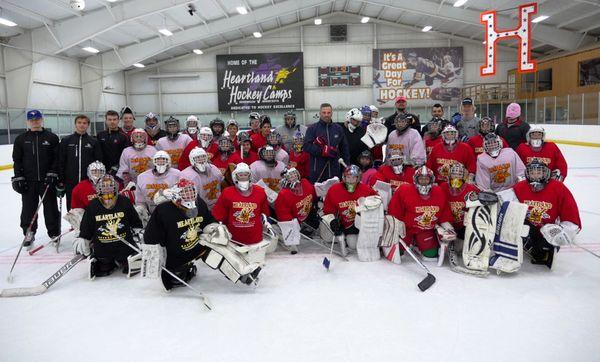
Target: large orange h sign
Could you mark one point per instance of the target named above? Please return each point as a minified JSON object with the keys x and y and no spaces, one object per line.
{"x":521,"y":32}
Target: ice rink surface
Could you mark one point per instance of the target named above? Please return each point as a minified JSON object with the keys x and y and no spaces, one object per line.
{"x":299,"y":312}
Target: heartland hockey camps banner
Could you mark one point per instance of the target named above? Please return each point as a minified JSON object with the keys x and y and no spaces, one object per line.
{"x":422,"y":75}
{"x":249,"y":82}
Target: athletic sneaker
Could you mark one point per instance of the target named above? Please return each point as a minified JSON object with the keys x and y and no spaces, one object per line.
{"x":29,"y":239}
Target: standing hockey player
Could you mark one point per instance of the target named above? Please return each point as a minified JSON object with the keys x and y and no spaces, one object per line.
{"x":259,"y":140}
{"x":299,"y":159}
{"x":407,"y":140}
{"x":289,"y":129}
{"x":401,"y":104}
{"x":217,"y":126}
{"x":107,"y":218}
{"x":467,"y":124}
{"x":513,"y":129}
{"x":191,"y":127}
{"x":35,"y":158}
{"x":185,"y":227}
{"x":225,"y":158}
{"x":152,"y":127}
{"x":547,"y":152}
{"x":128,"y":119}
{"x":353,"y":133}
{"x":205,"y":140}
{"x":393,"y":171}
{"x":136,"y":158}
{"x":173,"y":143}
{"x":247,"y":155}
{"x":206,"y":176}
{"x":484,"y":126}
{"x":254,"y":123}
{"x":281,"y":155}
{"x":241,"y":206}
{"x":268,"y":170}
{"x":450,"y":151}
{"x":552,"y":213}
{"x":232,"y":132}
{"x":161,"y":177}
{"x":112,"y":142}
{"x":498,"y":168}
{"x":432,"y":136}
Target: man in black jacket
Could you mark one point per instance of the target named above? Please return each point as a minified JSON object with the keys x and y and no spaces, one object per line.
{"x":76,"y":152}
{"x":390,"y":121}
{"x":35,"y":157}
{"x":353,"y":133}
{"x":112,"y":142}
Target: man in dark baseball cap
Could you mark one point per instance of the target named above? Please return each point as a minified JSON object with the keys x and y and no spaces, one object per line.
{"x":34,"y":114}
{"x":467,"y":126}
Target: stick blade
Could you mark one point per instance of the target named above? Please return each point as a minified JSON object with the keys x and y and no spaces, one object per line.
{"x":427,"y":282}
{"x":22,"y":292}
{"x":326,"y":263}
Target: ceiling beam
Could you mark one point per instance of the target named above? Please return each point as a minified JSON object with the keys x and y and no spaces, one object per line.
{"x":65,"y":7}
{"x":26,"y":12}
{"x":577,"y":18}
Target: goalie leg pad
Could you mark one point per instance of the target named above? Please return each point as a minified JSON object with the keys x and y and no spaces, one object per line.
{"x":371,"y":229}
{"x":229,"y":261}
{"x":480,"y":223}
{"x":290,"y":232}
{"x":393,"y":253}
{"x":508,"y":240}
{"x":153,"y":259}
{"x":74,"y":217}
{"x":134,"y":264}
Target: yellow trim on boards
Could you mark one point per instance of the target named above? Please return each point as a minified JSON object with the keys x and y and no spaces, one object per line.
{"x":6,"y":167}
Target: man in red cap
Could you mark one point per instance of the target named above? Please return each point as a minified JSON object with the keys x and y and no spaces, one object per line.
{"x":401,"y":109}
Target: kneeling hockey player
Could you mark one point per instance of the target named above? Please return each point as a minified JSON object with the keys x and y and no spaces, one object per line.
{"x":548,"y":152}
{"x":552,"y":212}
{"x":185,"y":227}
{"x":457,"y":190}
{"x":106,"y":220}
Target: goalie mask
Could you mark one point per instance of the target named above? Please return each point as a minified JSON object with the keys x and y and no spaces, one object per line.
{"x":351,"y":177}
{"x":492,"y":145}
{"x":267,"y":155}
{"x":423,"y":180}
{"x":403,"y":122}
{"x":205,"y":136}
{"x":107,"y":190}
{"x":241,"y":177}
{"x":151,"y":123}
{"x":225,"y":145}
{"x":95,"y":171}
{"x":191,"y":125}
{"x":253,"y":117}
{"x":485,"y":126}
{"x":184,"y":196}
{"x":298,"y":142}
{"x":450,"y":135}
{"x":217,"y":126}
{"x":172,"y":128}
{"x":162,"y":162}
{"x":290,"y":119}
{"x":434,"y":127}
{"x":353,"y":118}
{"x":537,"y":174}
{"x":274,"y":140}
{"x":139,"y":139}
{"x":365,"y":160}
{"x":199,"y":159}
{"x":457,"y":176}
{"x":290,"y":178}
{"x":536,"y":136}
{"x":396,"y":160}
{"x":232,"y":127}
{"x":374,"y":111}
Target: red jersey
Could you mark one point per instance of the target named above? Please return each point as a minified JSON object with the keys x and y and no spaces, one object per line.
{"x":549,"y":154}
{"x":223,"y":165}
{"x":184,"y":160}
{"x":554,"y":201}
{"x":343,"y":203}
{"x":301,"y":161}
{"x":258,"y":141}
{"x":457,"y":202}
{"x":377,"y":152}
{"x":290,"y":205}
{"x":85,"y":192}
{"x":441,"y":158}
{"x":476,"y":143}
{"x":242,"y":214}
{"x":418,"y":213}
{"x":386,"y":173}
{"x":430,"y":143}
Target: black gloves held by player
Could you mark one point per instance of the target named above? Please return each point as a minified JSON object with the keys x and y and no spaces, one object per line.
{"x":336,"y":227}
{"x":51,"y":179}
{"x":19,"y":184}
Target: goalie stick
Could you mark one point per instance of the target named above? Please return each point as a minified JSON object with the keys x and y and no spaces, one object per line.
{"x":31,"y":291}
{"x":429,"y":279}
{"x":60,"y":202}
{"x":455,"y":267}
{"x":203,"y":297}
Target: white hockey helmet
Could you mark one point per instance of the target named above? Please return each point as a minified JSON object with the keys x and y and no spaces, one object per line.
{"x":205,"y":136}
{"x":492,"y":144}
{"x":535,"y":140}
{"x":353,"y":114}
{"x":199,"y":159}
{"x":423,"y":180}
{"x":450,"y":135}
{"x":242,"y":176}
{"x":161,"y":161}
{"x":395,"y":158}
{"x":184,"y":192}
{"x":192,"y":124}
{"x":374,"y":111}
{"x":139,"y":138}
{"x":95,"y":171}
{"x":290,"y":178}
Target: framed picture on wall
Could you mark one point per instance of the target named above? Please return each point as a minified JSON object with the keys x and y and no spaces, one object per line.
{"x":589,"y":72}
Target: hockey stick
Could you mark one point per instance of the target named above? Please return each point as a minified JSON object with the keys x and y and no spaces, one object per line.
{"x":31,"y":291}
{"x":455,"y":267}
{"x":10,"y":277}
{"x":429,"y":279}
{"x":327,"y":262}
{"x":204,"y":298}
{"x":60,"y":202}
{"x":31,"y":252}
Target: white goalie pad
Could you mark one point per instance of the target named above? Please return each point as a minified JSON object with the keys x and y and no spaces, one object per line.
{"x":290,"y":232}
{"x":227,"y":259}
{"x":153,"y":259}
{"x":143,"y":213}
{"x":217,"y":233}
{"x":393,"y":229}
{"x":508,"y":241}
{"x":134,"y":264}
{"x":384,"y":190}
{"x":321,"y":188}
{"x":507,"y":195}
{"x":324,"y":230}
{"x":480,"y":223}
{"x":74,"y":217}
{"x":370,"y":226}
{"x":271,"y":194}
{"x":376,"y":134}
{"x":253,"y":253}
{"x":392,"y":253}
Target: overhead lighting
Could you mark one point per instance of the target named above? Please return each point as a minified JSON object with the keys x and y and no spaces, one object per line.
{"x":540,"y":18}
{"x":426,"y":28}
{"x":318,"y":21}
{"x":165,"y":32}
{"x":138,"y":65}
{"x":257,"y":34}
{"x":7,"y":22}
{"x":459,"y":3}
{"x":112,"y":1}
{"x":242,"y":10}
{"x":91,"y":50}
{"x":365,"y":19}
{"x":198,"y":51}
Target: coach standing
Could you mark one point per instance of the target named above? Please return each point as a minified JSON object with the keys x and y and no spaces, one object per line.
{"x":112,"y":142}
{"x":77,"y":151}
{"x":35,"y":157}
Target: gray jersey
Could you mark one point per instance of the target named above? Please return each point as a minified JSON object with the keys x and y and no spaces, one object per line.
{"x":287,"y":134}
{"x":500,"y":173}
{"x":467,"y":128}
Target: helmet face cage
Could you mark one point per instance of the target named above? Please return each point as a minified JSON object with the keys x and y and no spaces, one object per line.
{"x":107,"y":189}
{"x":450,"y":135}
{"x":161,"y":162}
{"x":365,"y":159}
{"x":402,"y":123}
{"x":172,"y":127}
{"x":291,"y":178}
{"x":536,"y":136}
{"x":423,"y":180}
{"x":485,"y":126}
{"x":289,"y":119}
{"x":225,"y":145}
{"x":351,"y":177}
{"x":199,"y":159}
{"x":434,"y":126}
{"x":537,"y":174}
{"x":274,"y":139}
{"x":95,"y":171}
{"x":205,"y":136}
{"x":186,"y":194}
{"x":457,"y":175}
{"x":139,"y":139}
{"x":492,"y":145}
{"x":298,"y":142}
{"x":241,"y":177}
{"x":267,"y":154}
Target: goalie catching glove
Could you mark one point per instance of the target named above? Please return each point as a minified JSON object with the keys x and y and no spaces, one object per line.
{"x":559,"y":234}
{"x":81,"y":246}
{"x":445,"y":233}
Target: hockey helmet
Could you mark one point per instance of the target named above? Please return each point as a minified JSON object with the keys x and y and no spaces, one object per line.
{"x":423,"y":180}
{"x":267,"y":155}
{"x":161,"y":161}
{"x":184,"y":192}
{"x":172,"y":127}
{"x":225,"y":145}
{"x":217,"y":126}
{"x":450,"y":135}
{"x":403,"y":122}
{"x":536,"y":136}
{"x":191,"y":124}
{"x":537,"y":174}
{"x":198,"y":159}
{"x":274,"y":139}
{"x":298,"y":142}
{"x":139,"y":138}
{"x":95,"y":171}
{"x":395,"y":159}
{"x":485,"y":126}
{"x":205,"y":136}
{"x":241,"y":176}
{"x":107,"y":190}
{"x":351,"y":177}
{"x":492,"y":145}
{"x":289,"y":118}
{"x":290,"y":178}
{"x":457,"y":175}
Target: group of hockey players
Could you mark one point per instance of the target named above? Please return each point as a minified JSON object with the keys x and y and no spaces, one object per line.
{"x":144,"y":199}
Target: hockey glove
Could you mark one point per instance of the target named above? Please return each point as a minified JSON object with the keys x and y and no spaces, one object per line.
{"x":81,"y":247}
{"x":113,"y":170}
{"x":60,"y":190}
{"x":336,"y":227}
{"x":51,"y":179}
{"x":445,"y":233}
{"x":19,"y":184}
{"x":138,"y":235}
{"x":329,"y":151}
{"x":559,"y":235}
{"x":556,"y":175}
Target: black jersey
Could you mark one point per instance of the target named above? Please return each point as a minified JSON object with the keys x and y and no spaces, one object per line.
{"x":170,"y":227}
{"x":100,"y":225}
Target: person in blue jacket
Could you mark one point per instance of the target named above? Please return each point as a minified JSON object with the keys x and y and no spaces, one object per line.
{"x":326,"y":144}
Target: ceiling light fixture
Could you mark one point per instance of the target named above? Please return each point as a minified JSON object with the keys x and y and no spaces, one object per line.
{"x":365,"y":19}
{"x":138,"y":65}
{"x":91,"y":49}
{"x":318,"y":21}
{"x":242,"y":10}
{"x":540,"y":18}
{"x":165,"y":32}
{"x":257,"y":34}
{"x":198,"y":51}
{"x":426,"y":28}
{"x":7,"y":22}
{"x":459,"y":3}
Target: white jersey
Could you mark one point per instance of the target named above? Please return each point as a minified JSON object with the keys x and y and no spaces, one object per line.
{"x":208,"y":184}
{"x":173,"y":147}
{"x":500,"y":173}
{"x":282,"y":156}
{"x":133,"y":162}
{"x":149,"y":183}
{"x":410,"y":143}
{"x":270,"y":175}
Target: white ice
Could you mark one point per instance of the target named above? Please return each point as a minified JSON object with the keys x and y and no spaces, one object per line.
{"x":299,"y":312}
